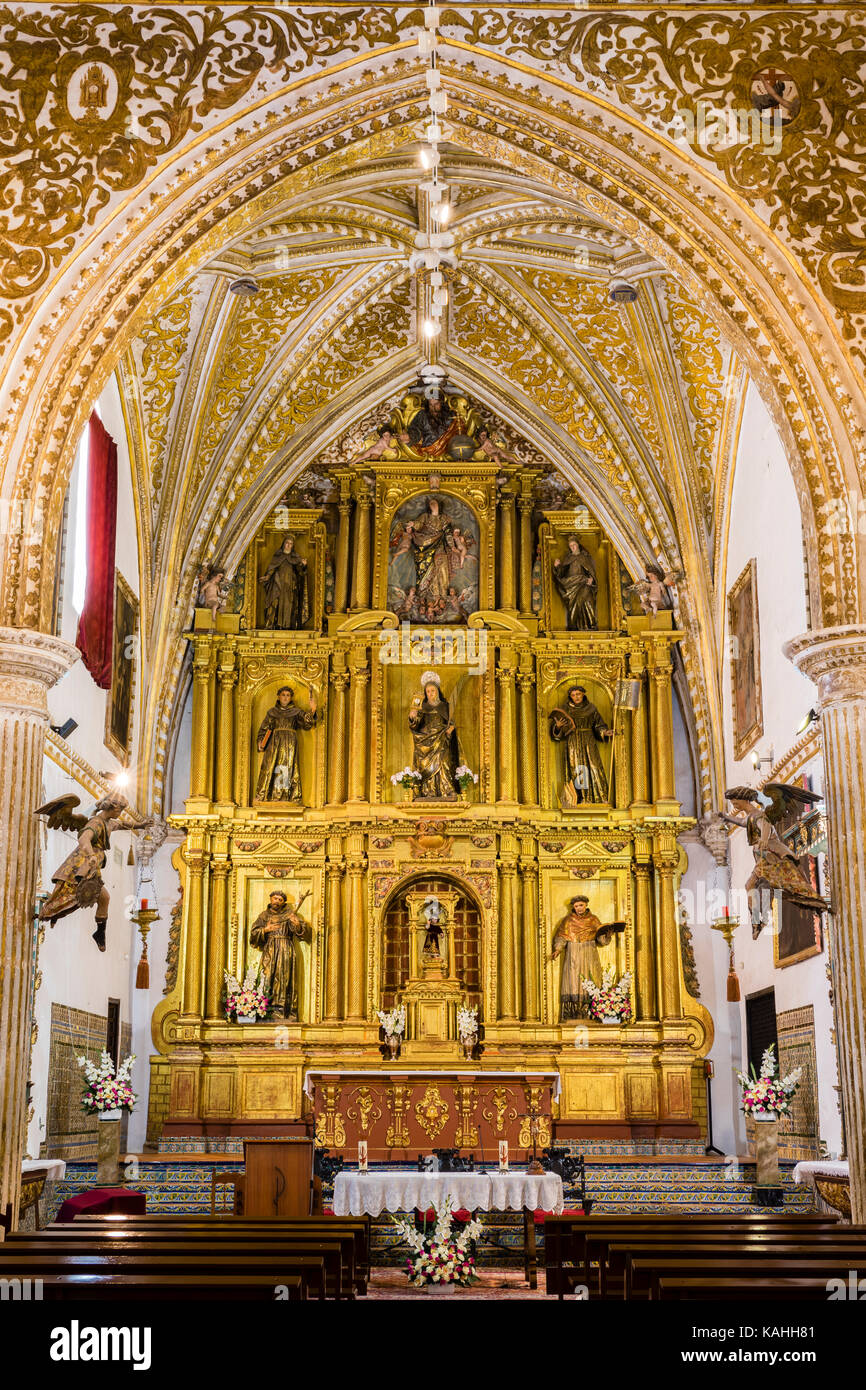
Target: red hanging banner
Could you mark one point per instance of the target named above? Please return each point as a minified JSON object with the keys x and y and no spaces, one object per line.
{"x":96,"y":623}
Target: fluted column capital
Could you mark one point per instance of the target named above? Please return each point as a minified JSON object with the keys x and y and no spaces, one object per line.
{"x":31,"y":663}
{"x":834,"y":658}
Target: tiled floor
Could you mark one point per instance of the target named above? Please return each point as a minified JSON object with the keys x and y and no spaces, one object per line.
{"x":493,"y":1283}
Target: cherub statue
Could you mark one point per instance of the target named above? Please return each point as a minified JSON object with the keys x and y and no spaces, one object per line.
{"x":776,"y":865}
{"x":212,"y":589}
{"x":494,"y":448}
{"x":654,"y":591}
{"x":382,"y":447}
{"x":79,"y":879}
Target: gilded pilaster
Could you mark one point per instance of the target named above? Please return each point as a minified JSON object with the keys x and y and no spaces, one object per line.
{"x":835,"y":659}
{"x":196,"y":860}
{"x":359,"y":732}
{"x":661,"y":715}
{"x":201,"y":771}
{"x":666,"y":859}
{"x":508,"y":943}
{"x":227,"y":680}
{"x":334,"y":937}
{"x":526,"y":504}
{"x":507,"y":566}
{"x":341,"y":559}
{"x":30,"y":664}
{"x":217,"y":937}
{"x":529,"y":935}
{"x":528,"y":732}
{"x":640,"y":788}
{"x":356,"y":938}
{"x":507,"y":748}
{"x":337,"y":741}
{"x":362,"y":570}
{"x":645,"y":955}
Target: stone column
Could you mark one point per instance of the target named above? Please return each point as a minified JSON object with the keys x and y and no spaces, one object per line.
{"x":196,"y":860}
{"x":217,"y":938}
{"x":639,"y":763}
{"x":333,"y":937}
{"x":361,"y":575}
{"x":508,"y":946}
{"x":227,"y":676}
{"x":645,"y":985}
{"x":337,"y":740}
{"x":529,"y":937}
{"x":507,"y":586}
{"x":200,"y":786}
{"x":507,"y":744}
{"x":341,"y":559}
{"x":526,"y":505}
{"x":528,"y":732}
{"x":835,"y":659}
{"x":355,"y":942}
{"x":359,"y":734}
{"x":30,"y":664}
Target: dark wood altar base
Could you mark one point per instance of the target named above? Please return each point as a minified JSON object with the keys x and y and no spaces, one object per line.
{"x":572,"y":1131}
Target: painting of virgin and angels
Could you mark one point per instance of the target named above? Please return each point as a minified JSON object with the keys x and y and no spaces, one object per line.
{"x":433,"y":560}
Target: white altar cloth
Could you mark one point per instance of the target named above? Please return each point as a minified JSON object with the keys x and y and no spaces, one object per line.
{"x":369,"y":1194}
{"x":55,"y":1168}
{"x":825,"y":1168}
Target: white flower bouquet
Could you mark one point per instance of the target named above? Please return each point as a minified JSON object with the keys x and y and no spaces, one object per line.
{"x":467,"y":1022}
{"x":465,"y":777}
{"x":769,"y":1093}
{"x":406,"y":777}
{"x":106,"y":1090}
{"x":248,"y":999}
{"x":441,"y":1257}
{"x":611,"y":998}
{"x":393,"y":1022}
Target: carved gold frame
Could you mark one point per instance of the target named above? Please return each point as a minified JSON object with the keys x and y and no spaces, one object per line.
{"x":744,"y":739}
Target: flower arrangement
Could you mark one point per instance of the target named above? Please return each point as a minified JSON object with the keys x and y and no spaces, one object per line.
{"x":609,"y":999}
{"x":105,"y":1089}
{"x":441,"y":1257}
{"x":393,"y":1022}
{"x":406,"y":777}
{"x":247,"y":999}
{"x":769,"y":1091}
{"x":467,"y":1022}
{"x":465,"y":777}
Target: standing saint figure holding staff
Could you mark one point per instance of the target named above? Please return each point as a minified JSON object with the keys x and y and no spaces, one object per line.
{"x":275,"y":932}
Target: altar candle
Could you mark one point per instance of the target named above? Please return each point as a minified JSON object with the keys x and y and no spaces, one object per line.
{"x":503,"y":1155}
{"x":362,"y":1155}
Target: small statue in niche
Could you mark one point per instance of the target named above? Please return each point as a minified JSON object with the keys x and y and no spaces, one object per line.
{"x":285,"y":579}
{"x":654,"y":591}
{"x":79,"y":878}
{"x":435,"y":740}
{"x":579,"y":726}
{"x":275,"y":932}
{"x":579,"y":936}
{"x":776,"y":865}
{"x":279,"y":775}
{"x":577,"y":585}
{"x":212,"y":589}
{"x":433,"y":913}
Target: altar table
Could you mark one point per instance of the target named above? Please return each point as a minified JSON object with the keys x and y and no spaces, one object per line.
{"x":829,"y":1180}
{"x":369,"y":1194}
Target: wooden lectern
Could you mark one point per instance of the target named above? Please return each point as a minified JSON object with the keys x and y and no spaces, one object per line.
{"x":278,"y":1177}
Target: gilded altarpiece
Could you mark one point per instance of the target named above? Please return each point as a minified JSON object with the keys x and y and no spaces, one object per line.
{"x":356,"y":850}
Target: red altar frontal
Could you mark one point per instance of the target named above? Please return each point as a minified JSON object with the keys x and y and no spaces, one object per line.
{"x":405,"y":1113}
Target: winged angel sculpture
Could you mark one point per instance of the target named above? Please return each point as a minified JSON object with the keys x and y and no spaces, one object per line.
{"x":79,"y":878}
{"x":776,"y":866}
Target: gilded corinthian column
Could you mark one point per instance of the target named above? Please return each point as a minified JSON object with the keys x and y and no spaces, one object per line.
{"x":528,"y":732}
{"x":361,"y":576}
{"x":359,"y":734}
{"x":526,"y":504}
{"x":645,"y":956}
{"x":668,"y":992}
{"x":227,"y":677}
{"x":30,"y":663}
{"x":217,"y":937}
{"x":508,"y":955}
{"x":507,"y":587}
{"x":639,"y":763}
{"x":341,"y":559}
{"x":355,"y":937}
{"x":507,"y":747}
{"x":200,"y":782}
{"x":196,"y":860}
{"x":835,"y":659}
{"x":333,"y":937}
{"x":661,"y":718}
{"x":337,"y":741}
{"x":529,"y":937}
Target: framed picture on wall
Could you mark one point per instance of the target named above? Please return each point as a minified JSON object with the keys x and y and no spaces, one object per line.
{"x":118,"y":714}
{"x":745,"y":659}
{"x":797,"y":931}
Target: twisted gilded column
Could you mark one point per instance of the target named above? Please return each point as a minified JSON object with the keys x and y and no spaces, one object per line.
{"x":507,"y":745}
{"x":361,"y":573}
{"x":359,"y":734}
{"x":333,"y":937}
{"x":526,"y":504}
{"x":507,"y":587}
{"x":835,"y":659}
{"x":529,"y":937}
{"x":200,"y":785}
{"x":30,"y":664}
{"x":508,"y":954}
{"x":528,"y":732}
{"x":337,"y":739}
{"x":196,"y":859}
{"x":227,"y":678}
{"x":217,"y":937}
{"x":355,"y":937}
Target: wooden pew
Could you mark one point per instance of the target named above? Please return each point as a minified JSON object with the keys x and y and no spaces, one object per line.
{"x":277,"y":1268}
{"x":779,"y":1288}
{"x":634,"y":1261}
{"x":338,"y":1253}
{"x":764,"y":1271}
{"x":138,"y":1287}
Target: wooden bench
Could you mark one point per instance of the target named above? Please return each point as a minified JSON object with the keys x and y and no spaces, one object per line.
{"x":311,"y":1267}
{"x":779,"y":1288}
{"x":114,"y":1287}
{"x":763,"y":1271}
{"x":635,"y":1261}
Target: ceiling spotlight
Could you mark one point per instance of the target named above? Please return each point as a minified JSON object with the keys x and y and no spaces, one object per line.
{"x":757,"y":761}
{"x":64,"y":730}
{"x":430,"y":328}
{"x":621,"y":292}
{"x":811,"y":718}
{"x":245,"y":286}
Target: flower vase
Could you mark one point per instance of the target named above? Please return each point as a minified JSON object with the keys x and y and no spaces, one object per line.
{"x":108,"y":1149}
{"x":610,"y":1018}
{"x":246,"y":1018}
{"x":393,"y":1041}
{"x":469,"y":1046}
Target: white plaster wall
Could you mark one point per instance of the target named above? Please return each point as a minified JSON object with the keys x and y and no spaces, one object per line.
{"x":765,"y":523}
